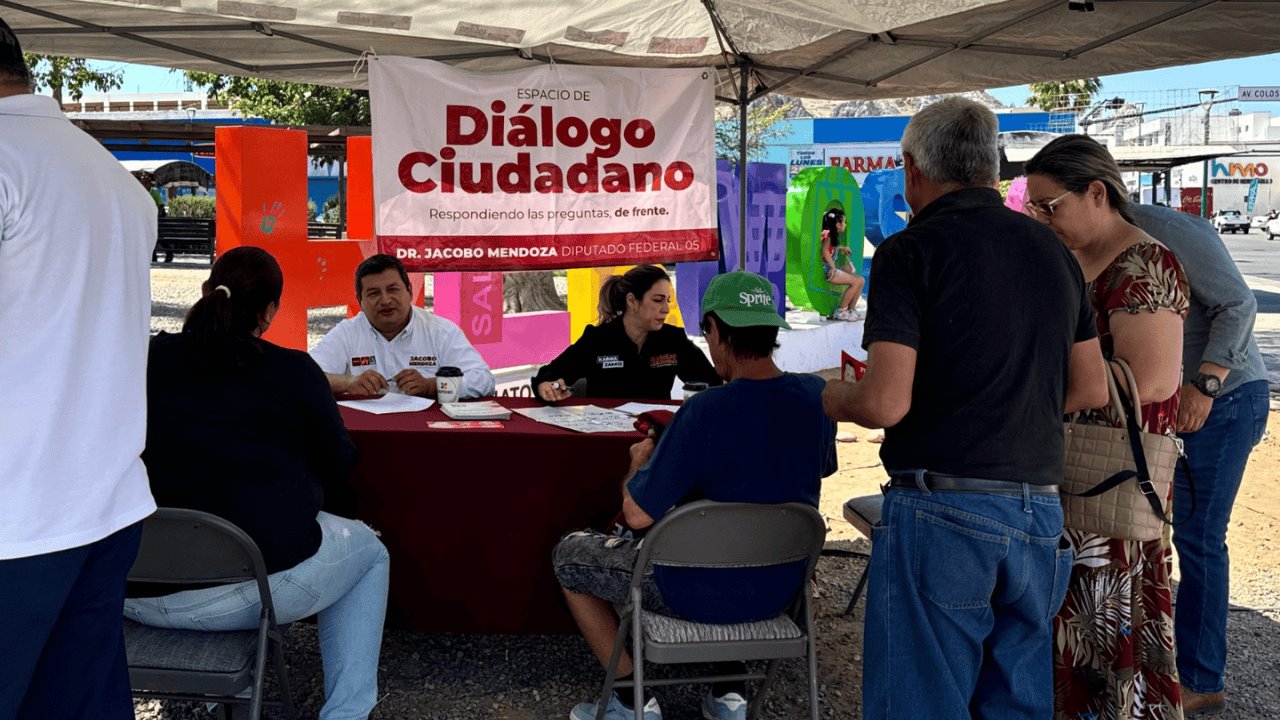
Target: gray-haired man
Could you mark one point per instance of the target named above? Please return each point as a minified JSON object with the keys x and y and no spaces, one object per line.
{"x":979,"y":336}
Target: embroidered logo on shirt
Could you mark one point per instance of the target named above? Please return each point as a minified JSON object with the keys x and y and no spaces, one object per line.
{"x":422,"y":361}
{"x":364,"y":361}
{"x":609,"y":362}
{"x":661,"y":361}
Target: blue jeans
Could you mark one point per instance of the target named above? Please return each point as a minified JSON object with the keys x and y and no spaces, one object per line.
{"x":961,"y":596}
{"x":61,"y":638}
{"x":345,"y":582}
{"x":1217,"y":454}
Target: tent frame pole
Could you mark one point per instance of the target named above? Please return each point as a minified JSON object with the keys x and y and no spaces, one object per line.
{"x":743,"y":104}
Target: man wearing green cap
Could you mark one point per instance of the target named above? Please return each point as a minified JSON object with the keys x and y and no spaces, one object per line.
{"x":762,"y":437}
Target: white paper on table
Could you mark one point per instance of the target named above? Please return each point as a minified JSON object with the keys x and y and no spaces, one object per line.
{"x":581,"y":418}
{"x":635,"y":408}
{"x":389,"y":403}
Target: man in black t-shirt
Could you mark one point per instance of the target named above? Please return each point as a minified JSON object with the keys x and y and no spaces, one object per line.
{"x":979,"y":336}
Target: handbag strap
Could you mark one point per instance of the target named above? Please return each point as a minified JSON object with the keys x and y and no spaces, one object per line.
{"x":1143,"y":471}
{"x":1126,"y":410}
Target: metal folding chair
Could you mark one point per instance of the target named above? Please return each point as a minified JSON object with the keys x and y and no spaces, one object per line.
{"x":188,"y":547}
{"x":863,"y":513}
{"x":723,"y":535}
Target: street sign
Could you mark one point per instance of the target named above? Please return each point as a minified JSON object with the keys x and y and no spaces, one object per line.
{"x":1269,"y":93}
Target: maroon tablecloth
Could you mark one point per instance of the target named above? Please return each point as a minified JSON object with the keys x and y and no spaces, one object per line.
{"x":470,"y":516}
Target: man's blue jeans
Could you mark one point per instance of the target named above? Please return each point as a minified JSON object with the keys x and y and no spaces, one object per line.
{"x":61,"y":638}
{"x":961,"y":596}
{"x":345,"y":582}
{"x":1217,"y":454}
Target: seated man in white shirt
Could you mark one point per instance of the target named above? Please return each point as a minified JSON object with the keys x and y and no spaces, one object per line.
{"x":392,"y":345}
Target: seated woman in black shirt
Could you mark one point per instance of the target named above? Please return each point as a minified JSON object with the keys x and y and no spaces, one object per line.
{"x":248,"y":431}
{"x":631,"y":352}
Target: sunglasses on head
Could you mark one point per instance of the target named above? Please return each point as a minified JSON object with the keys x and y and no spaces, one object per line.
{"x":1043,"y":209}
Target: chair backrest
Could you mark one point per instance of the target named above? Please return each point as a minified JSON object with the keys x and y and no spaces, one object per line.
{"x":713,"y":534}
{"x":181,"y":546}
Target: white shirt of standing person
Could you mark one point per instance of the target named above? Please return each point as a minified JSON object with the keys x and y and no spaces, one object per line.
{"x":75,"y":313}
{"x":426,"y":344}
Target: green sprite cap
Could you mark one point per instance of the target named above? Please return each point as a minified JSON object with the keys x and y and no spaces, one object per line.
{"x":742,"y":299}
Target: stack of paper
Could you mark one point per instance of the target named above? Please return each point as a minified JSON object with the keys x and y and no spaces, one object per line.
{"x":482,"y":410}
{"x":582,"y":418}
{"x":389,"y":403}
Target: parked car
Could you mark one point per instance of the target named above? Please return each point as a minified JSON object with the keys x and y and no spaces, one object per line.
{"x":1259,"y":222}
{"x":1273,"y":228}
{"x":1230,"y":220}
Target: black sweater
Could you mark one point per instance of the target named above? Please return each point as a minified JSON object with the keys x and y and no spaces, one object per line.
{"x":257,"y":446}
{"x":608,"y":359}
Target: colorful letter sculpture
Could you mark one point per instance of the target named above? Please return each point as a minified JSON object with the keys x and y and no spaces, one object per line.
{"x":1016,"y":198}
{"x":813,"y":192}
{"x":262,"y":202}
{"x":522,"y":339}
{"x":766,"y":236}
{"x":884,"y":203}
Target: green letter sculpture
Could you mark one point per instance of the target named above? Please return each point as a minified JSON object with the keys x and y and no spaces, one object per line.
{"x":813,"y":192}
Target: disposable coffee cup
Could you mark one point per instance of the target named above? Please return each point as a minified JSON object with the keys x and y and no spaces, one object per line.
{"x":693,"y":388}
{"x":448,"y":384}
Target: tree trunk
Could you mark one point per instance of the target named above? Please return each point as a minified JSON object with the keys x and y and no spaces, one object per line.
{"x":530,"y":291}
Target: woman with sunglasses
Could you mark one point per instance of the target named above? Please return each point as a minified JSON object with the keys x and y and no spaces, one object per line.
{"x":1114,"y":633}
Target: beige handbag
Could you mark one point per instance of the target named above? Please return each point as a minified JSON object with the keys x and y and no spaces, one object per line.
{"x":1113,"y":485}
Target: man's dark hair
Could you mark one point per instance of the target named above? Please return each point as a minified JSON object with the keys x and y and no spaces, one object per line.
{"x":13,"y":68}
{"x":747,"y":343}
{"x":375,"y":264}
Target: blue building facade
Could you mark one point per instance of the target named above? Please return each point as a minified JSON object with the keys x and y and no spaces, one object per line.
{"x":806,"y":134}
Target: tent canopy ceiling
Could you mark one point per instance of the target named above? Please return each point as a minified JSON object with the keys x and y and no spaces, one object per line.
{"x":833,"y":49}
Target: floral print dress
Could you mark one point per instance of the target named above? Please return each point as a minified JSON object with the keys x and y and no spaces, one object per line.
{"x":1114,"y":634}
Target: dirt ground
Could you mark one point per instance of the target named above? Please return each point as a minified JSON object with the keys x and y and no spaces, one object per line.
{"x":450,"y":677}
{"x":1254,"y":536}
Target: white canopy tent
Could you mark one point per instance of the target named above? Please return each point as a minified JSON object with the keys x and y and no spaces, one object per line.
{"x":839,"y":49}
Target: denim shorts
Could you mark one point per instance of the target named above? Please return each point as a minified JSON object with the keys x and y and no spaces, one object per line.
{"x":600,"y":565}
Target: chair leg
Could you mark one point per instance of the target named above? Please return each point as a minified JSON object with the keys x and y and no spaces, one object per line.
{"x":260,"y":668}
{"x":282,"y":678}
{"x":857,"y":591}
{"x":637,"y":652}
{"x":813,"y":660}
{"x":611,"y":672}
{"x":757,"y":703}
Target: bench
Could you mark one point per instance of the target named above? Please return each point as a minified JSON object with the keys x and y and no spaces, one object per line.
{"x":184,"y":235}
{"x":324,"y":230}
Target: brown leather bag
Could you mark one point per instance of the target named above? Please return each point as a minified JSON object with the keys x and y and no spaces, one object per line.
{"x":1116,"y":480}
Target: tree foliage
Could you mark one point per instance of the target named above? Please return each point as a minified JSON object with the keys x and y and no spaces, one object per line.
{"x":286,"y":102}
{"x":762,"y":120}
{"x":1069,"y":95}
{"x":70,"y":76}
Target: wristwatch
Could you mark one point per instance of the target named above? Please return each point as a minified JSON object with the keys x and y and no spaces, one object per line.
{"x":1208,"y":385}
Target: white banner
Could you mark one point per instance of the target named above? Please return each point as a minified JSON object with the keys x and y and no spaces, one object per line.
{"x":550,"y":167}
{"x":860,"y":159}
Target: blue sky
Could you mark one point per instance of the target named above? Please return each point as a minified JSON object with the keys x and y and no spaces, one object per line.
{"x":1261,"y":70}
